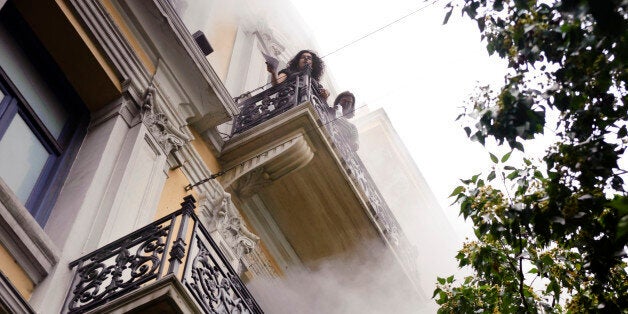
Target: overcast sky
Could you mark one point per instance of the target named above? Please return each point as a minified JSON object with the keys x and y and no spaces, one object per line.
{"x":418,"y":70}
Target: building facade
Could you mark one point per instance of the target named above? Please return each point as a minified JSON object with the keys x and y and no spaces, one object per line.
{"x":139,"y":173}
{"x":409,"y":196}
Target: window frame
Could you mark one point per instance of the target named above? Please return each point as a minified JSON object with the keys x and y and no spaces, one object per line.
{"x":63,"y":149}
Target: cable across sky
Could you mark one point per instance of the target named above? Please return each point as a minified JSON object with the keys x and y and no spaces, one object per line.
{"x":358,"y":39}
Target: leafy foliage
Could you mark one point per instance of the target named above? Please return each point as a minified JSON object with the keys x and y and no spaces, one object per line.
{"x":551,"y":233}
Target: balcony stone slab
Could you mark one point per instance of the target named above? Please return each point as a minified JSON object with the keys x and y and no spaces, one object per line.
{"x":305,"y":187}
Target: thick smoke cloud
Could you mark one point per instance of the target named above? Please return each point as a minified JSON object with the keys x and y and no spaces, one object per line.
{"x":370,"y":283}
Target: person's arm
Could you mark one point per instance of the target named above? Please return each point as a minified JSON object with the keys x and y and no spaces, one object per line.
{"x":276,"y":78}
{"x":322,"y":91}
{"x":273,"y":73}
{"x":281,"y":77}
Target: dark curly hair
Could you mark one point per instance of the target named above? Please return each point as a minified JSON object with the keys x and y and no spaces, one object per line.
{"x":318,"y":66}
{"x":349,"y":111}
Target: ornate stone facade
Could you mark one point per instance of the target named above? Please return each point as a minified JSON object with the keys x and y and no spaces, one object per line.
{"x":168,"y":137}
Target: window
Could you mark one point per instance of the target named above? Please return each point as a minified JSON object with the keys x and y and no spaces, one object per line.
{"x":42,"y":121}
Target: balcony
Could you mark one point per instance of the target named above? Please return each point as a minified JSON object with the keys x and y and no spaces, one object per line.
{"x":295,"y":170}
{"x":169,"y":266}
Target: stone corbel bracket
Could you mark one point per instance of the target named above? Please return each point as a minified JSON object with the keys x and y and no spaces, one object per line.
{"x":255,"y":173}
{"x":221,"y":215}
{"x":169,"y":137}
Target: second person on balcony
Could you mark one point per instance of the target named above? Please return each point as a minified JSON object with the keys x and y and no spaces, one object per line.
{"x":303,"y":60}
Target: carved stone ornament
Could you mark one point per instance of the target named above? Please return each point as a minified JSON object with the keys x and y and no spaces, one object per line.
{"x":251,"y":182}
{"x":257,"y":263}
{"x":222,"y":216}
{"x":233,"y":233}
{"x":270,"y":44}
{"x":277,"y":161}
{"x":157,"y":123}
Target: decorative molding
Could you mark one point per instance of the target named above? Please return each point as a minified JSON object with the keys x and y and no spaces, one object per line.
{"x":213,"y":103}
{"x":222,"y":218}
{"x":10,"y":299}
{"x":219,"y":214}
{"x":251,"y":182}
{"x":240,"y":238}
{"x":23,"y":238}
{"x":188,"y":42}
{"x":113,"y":42}
{"x":169,"y":138}
{"x":275,"y":162}
{"x":270,"y":44}
{"x":257,"y":263}
{"x":124,"y":106}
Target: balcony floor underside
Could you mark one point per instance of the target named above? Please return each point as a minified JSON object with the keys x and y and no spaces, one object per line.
{"x":317,"y":207}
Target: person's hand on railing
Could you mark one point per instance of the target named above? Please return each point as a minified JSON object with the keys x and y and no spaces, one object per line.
{"x":324,"y":93}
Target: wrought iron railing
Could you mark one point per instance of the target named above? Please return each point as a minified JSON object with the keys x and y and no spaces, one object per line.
{"x":153,"y":252}
{"x":274,"y":101}
{"x":300,"y":88}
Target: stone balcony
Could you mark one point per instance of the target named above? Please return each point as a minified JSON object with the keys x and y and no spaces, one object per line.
{"x":293,"y":166}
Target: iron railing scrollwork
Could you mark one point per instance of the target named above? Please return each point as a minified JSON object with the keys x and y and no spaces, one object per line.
{"x":153,"y":252}
{"x":274,"y":101}
{"x":304,"y":88}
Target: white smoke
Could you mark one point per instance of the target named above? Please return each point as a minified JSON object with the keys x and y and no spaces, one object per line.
{"x":371,"y":283}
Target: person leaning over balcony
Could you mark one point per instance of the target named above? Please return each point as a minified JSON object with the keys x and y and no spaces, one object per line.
{"x":303,"y":60}
{"x":346,"y":101}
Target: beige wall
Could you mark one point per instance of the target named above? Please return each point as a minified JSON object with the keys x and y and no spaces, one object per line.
{"x":15,"y":273}
{"x":222,"y":39}
{"x":173,"y":193}
{"x":132,"y":40}
{"x":206,"y":154}
{"x":174,"y":189}
{"x":218,"y":20}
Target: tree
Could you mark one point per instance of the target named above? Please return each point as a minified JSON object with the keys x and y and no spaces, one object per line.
{"x":551,"y":232}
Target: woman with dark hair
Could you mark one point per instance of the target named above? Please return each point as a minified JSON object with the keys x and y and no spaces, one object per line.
{"x":303,"y":60}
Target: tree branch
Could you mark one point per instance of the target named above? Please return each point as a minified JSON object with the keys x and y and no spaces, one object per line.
{"x":520,"y":273}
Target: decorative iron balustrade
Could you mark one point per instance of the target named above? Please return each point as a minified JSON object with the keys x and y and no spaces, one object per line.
{"x":300,"y":88}
{"x":274,"y":101}
{"x":153,"y":252}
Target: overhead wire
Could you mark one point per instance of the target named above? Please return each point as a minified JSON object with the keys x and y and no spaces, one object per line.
{"x":354,"y":41}
{"x":381,"y":28}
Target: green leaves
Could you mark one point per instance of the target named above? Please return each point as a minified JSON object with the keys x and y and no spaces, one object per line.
{"x":622,"y":133}
{"x":620,"y":203}
{"x":457,"y":191}
{"x":561,"y":217}
{"x":506,"y":157}
{"x":491,"y":176}
{"x":513,"y":174}
{"x":494,"y":158}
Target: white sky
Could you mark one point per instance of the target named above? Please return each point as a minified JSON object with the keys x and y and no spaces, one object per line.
{"x":419,"y":71}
